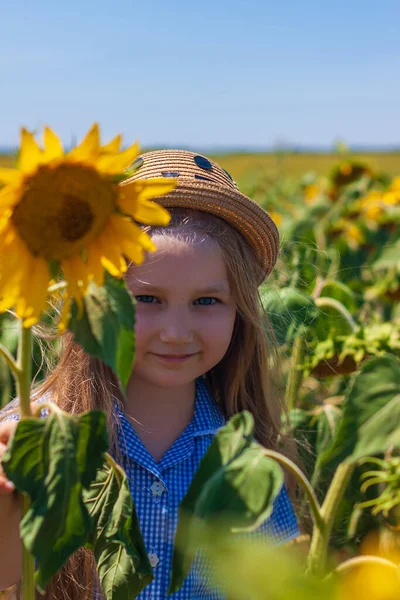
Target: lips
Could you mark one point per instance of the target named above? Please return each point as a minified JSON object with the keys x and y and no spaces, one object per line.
{"x":173,"y":357}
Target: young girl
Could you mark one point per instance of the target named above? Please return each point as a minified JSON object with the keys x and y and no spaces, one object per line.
{"x":202,"y":355}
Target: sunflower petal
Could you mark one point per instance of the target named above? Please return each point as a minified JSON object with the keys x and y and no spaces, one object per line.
{"x":128,"y":235}
{"x":14,"y":256}
{"x":109,"y":265}
{"x":134,"y":200}
{"x":89,"y":148}
{"x":111,"y":254}
{"x":114,"y":145}
{"x":116,"y":163}
{"x":94,"y":266}
{"x":11,"y":272}
{"x":151,"y":213}
{"x":143,"y":211}
{"x":8,"y":296}
{"x":76,"y":275}
{"x":33,"y":292}
{"x":52,"y":145}
{"x":65,"y":313}
{"x":126,"y":230}
{"x":30,"y":155}
{"x":10,"y":176}
{"x":146,"y":189}
{"x":133,"y":251}
{"x":8,"y":197}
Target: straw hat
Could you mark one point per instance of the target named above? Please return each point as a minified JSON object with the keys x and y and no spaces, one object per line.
{"x":204,"y":185}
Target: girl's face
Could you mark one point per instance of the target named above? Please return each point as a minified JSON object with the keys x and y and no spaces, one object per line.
{"x":185,"y":312}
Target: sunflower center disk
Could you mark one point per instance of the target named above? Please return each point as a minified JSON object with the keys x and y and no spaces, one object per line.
{"x":62,"y":209}
{"x":74,"y":219}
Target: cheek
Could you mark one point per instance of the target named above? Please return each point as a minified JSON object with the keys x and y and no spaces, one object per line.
{"x":218,"y":330}
{"x":143,"y":328}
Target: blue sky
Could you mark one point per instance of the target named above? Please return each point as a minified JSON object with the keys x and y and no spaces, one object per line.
{"x":238,"y":73}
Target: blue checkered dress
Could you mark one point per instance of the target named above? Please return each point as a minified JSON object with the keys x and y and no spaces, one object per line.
{"x":158,"y":488}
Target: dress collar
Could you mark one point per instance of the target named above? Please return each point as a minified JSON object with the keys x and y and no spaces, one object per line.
{"x":207,"y":419}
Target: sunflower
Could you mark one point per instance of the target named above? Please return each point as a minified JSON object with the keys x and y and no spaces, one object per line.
{"x":65,"y":214}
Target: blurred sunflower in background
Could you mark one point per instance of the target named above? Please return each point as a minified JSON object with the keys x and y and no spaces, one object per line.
{"x":64,"y":215}
{"x":376,"y":203}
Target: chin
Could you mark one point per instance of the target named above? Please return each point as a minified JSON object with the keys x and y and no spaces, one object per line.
{"x":171,"y":381}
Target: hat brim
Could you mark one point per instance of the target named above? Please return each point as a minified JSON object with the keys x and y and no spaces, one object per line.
{"x":252,"y":221}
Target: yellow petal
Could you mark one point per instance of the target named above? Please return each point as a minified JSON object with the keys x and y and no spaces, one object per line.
{"x":52,"y":146}
{"x":151,"y":213}
{"x":65,"y":313}
{"x":89,"y":148}
{"x":115,"y":164}
{"x":133,"y":251}
{"x":30,"y":155}
{"x":8,"y":297}
{"x":146,"y":189}
{"x":395,"y":185}
{"x":114,"y":145}
{"x":390,"y":198}
{"x":126,"y":230}
{"x":9,"y":197}
{"x":134,"y":197}
{"x":11,"y":272}
{"x":10,"y":176}
{"x":14,"y":256}
{"x":94,"y":266}
{"x":110,"y":266}
{"x":128,"y":235}
{"x":75,"y":275}
{"x":111,"y":255}
{"x":33,"y":292}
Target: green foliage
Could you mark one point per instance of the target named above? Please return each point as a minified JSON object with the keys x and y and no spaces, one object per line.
{"x":372,"y":388}
{"x":235,"y":486}
{"x":106,"y":328}
{"x":289,"y":311}
{"x":380,"y":432}
{"x":338,"y":279}
{"x":79,"y":496}
{"x":340,"y":292}
{"x":122,"y":562}
{"x":245,"y":568}
{"x":52,"y":460}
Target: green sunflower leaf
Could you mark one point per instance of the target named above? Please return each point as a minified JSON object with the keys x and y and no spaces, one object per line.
{"x":53,"y":460}
{"x":122,"y":562}
{"x":234,"y":486}
{"x":372,"y":388}
{"x":340,"y":292}
{"x":106,"y":328}
{"x":289,"y":312}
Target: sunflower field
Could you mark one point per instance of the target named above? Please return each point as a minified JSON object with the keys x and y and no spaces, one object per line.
{"x":333,"y":307}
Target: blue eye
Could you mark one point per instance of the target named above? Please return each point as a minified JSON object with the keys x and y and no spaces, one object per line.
{"x":145,"y":299}
{"x":206,"y":301}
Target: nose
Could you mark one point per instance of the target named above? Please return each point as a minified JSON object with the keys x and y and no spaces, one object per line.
{"x":176,"y":327}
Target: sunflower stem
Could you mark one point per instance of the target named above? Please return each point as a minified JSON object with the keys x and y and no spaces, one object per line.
{"x":296,"y":373}
{"x":23,"y":381}
{"x":317,"y":556}
{"x":314,"y":506}
{"x":9,"y":360}
{"x":24,"y":371}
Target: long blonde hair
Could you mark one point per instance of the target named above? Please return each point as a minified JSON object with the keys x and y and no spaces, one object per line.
{"x":247,"y":378}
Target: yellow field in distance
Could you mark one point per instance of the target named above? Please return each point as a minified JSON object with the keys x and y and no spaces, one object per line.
{"x":291,"y":164}
{"x":296,"y":164}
